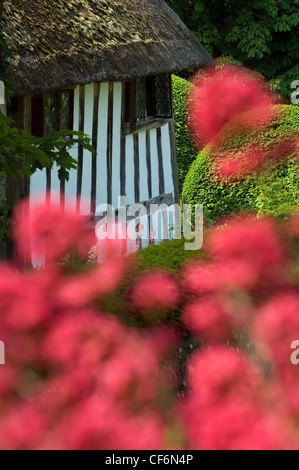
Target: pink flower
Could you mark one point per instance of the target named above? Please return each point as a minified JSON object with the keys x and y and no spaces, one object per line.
{"x":231,"y":425}
{"x":22,"y":428}
{"x":297,"y":145}
{"x":80,"y":290}
{"x":45,"y":229}
{"x":231,"y":274}
{"x":156,"y":290}
{"x":280,"y":149}
{"x":293,"y":226}
{"x":255,"y":242}
{"x":276,"y":324}
{"x":219,"y":373}
{"x":82,"y":338}
{"x":106,"y":426}
{"x":202,"y":277}
{"x":23,"y":302}
{"x":222,"y":411}
{"x":232,"y":166}
{"x":275,"y":328}
{"x":207,"y":318}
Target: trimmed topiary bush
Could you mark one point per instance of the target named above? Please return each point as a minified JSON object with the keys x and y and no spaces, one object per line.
{"x":186,"y":152}
{"x":275,"y":191}
{"x":170,"y":255}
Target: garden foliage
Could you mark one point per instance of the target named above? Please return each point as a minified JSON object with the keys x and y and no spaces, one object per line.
{"x":77,"y":376}
{"x":275,"y":191}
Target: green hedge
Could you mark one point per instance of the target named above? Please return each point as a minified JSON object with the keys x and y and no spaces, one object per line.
{"x":275,"y":191}
{"x":169,"y":254}
{"x":186,"y":152}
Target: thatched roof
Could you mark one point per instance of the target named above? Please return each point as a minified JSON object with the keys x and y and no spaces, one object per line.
{"x":62,"y":42}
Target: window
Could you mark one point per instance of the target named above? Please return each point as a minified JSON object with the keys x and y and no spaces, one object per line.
{"x":163,"y":98}
{"x":148,"y":98}
{"x":52,"y":112}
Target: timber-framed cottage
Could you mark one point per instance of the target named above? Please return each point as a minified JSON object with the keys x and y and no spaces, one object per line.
{"x":103,"y":67}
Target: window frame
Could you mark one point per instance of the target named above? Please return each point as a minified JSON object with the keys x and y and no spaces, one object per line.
{"x":39,"y":115}
{"x":133,"y":123}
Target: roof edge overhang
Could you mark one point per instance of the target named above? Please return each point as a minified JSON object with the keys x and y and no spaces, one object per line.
{"x":119,"y":63}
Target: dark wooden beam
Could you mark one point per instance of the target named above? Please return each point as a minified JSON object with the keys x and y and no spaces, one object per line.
{"x":27,"y":128}
{"x":95,"y":126}
{"x":174,"y":165}
{"x":48,"y":181}
{"x":109,"y":144}
{"x":62,"y":193}
{"x":17,"y":189}
{"x":80,"y":150}
{"x":123,"y":145}
{"x":162,"y":199}
{"x":148,"y":164}
{"x":136,"y":168}
{"x":160,"y":162}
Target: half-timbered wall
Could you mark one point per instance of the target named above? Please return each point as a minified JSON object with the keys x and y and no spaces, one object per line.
{"x":141,"y":165}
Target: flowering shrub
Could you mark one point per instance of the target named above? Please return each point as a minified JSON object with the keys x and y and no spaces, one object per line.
{"x":245,"y":296}
{"x":37,"y":227}
{"x":222,"y":96}
{"x":155,"y":293}
{"x":233,"y":102}
{"x":77,"y":377}
{"x":274,"y":190}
